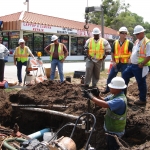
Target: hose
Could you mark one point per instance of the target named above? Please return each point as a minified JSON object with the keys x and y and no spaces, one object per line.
{"x":9,"y":147}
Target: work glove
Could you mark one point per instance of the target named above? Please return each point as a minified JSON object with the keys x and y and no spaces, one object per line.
{"x":95,"y":92}
{"x":88,"y":95}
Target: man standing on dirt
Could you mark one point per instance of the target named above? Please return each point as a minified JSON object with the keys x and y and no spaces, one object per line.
{"x":58,"y":53}
{"x":3,"y":52}
{"x":120,"y":54}
{"x":97,"y":50}
{"x":140,"y":60}
{"x":21,"y":54}
{"x":115,"y":117}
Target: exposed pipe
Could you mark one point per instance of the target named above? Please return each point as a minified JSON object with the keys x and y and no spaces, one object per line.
{"x":52,"y":112}
{"x":33,"y":105}
{"x":9,"y":147}
{"x":38,"y":134}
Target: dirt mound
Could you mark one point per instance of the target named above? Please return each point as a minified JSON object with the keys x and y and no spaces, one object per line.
{"x":68,"y":95}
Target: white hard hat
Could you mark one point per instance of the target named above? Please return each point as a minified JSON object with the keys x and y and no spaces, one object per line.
{"x":138,"y":29}
{"x":21,"y":41}
{"x":54,"y":37}
{"x":123,"y":29}
{"x":117,"y":83}
{"x":96,"y":31}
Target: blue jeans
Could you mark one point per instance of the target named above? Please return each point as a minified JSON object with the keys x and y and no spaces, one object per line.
{"x":120,"y":67}
{"x":59,"y":64}
{"x":134,"y":71}
{"x":19,"y":70}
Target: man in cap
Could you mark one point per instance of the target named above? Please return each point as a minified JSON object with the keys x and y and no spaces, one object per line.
{"x":115,"y":117}
{"x":120,"y":54}
{"x":98,"y":49}
{"x":21,"y":54}
{"x":3,"y":52}
{"x":140,"y":60}
{"x":58,"y":53}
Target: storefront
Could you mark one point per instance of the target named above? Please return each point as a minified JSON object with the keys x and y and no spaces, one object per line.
{"x":37,"y":31}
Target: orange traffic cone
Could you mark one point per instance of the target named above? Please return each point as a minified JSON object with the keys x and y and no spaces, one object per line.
{"x":110,"y":66}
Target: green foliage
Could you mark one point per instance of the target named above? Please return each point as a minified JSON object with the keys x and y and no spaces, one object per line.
{"x":116,"y":15}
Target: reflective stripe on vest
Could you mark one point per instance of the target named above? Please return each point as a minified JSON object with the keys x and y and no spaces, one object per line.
{"x":96,"y":49}
{"x":21,"y":55}
{"x":142,"y":52}
{"x":60,"y":51}
{"x":122,"y":53}
{"x":114,"y":122}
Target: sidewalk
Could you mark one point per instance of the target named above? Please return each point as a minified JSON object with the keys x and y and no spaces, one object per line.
{"x":11,"y":70}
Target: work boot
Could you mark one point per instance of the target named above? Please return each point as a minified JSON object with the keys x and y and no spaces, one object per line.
{"x":138,"y":102}
{"x":20,"y":84}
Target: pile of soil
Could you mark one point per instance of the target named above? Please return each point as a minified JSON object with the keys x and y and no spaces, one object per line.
{"x":70,"y":95}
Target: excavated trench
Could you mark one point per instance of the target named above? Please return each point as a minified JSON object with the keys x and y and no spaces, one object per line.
{"x":53,"y":95}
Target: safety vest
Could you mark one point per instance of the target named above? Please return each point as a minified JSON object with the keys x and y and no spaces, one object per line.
{"x":142,"y":52}
{"x":115,"y":122}
{"x":21,"y":55}
{"x":122,"y":53}
{"x":96,"y":49}
{"x":60,"y":51}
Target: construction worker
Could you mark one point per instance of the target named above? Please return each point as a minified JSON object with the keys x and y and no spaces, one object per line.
{"x":120,"y":53}
{"x":21,"y":54}
{"x":3,"y":52}
{"x":140,"y":60}
{"x":58,"y":53}
{"x":98,"y":49}
{"x":115,"y":117}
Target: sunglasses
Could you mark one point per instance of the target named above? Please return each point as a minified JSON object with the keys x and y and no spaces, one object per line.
{"x":123,"y":32}
{"x":21,"y":43}
{"x":137,"y":34}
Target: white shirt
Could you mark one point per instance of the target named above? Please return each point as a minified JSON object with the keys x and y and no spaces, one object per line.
{"x":3,"y":51}
{"x":135,"y":54}
{"x":107,"y":47}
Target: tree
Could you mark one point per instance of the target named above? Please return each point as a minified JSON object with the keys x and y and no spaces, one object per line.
{"x":111,"y":10}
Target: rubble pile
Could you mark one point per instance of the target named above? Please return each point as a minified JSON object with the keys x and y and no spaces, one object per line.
{"x":68,"y":98}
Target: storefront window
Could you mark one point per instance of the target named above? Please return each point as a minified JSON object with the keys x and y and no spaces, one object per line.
{"x":77,"y":45}
{"x":27,"y":36}
{"x":65,"y":40}
{"x":38,"y":43}
{"x":13,"y":38}
{"x":6,"y":39}
{"x":47,"y":41}
{"x":74,"y":45}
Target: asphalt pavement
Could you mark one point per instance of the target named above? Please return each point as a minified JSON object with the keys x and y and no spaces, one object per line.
{"x":69,"y":67}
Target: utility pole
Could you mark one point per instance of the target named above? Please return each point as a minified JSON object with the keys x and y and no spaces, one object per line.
{"x":27,"y":5}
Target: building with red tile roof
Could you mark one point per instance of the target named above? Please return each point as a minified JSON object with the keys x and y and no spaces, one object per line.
{"x":37,"y":29}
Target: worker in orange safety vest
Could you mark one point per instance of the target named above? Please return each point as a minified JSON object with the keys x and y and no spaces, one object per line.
{"x":140,"y":62}
{"x":120,"y":53}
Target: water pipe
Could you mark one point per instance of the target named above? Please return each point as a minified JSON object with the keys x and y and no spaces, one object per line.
{"x":38,"y":134}
{"x":52,"y":112}
{"x":9,"y":147}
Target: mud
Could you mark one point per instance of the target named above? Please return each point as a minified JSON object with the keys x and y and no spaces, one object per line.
{"x":68,"y":94}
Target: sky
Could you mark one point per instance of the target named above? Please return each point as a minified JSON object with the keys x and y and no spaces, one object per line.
{"x":68,"y":9}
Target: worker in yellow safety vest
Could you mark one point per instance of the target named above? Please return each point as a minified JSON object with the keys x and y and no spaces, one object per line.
{"x":21,"y":54}
{"x":140,"y":62}
{"x":120,"y":54}
{"x":58,"y":53}
{"x":97,"y":50}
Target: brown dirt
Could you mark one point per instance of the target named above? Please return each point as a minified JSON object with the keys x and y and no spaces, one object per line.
{"x":137,"y":136}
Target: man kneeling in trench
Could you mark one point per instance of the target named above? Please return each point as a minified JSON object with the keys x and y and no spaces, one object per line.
{"x":115,"y":117}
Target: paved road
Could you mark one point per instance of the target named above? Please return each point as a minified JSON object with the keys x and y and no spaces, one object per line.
{"x":11,"y":70}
